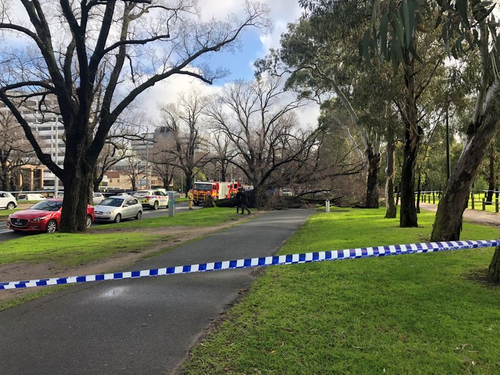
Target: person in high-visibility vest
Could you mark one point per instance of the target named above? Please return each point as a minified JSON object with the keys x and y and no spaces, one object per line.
{"x":190,"y":198}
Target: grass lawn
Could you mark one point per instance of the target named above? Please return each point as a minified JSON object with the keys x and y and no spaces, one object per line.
{"x":74,"y":249}
{"x":4,"y":214}
{"x":70,"y":249}
{"x":196,"y":218}
{"x":418,"y":314}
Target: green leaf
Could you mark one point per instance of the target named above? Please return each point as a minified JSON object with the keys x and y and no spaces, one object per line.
{"x":365,"y":47}
{"x":438,"y":22}
{"x":461,"y":6}
{"x":415,"y":54}
{"x":383,"y":34}
{"x":407,"y":26}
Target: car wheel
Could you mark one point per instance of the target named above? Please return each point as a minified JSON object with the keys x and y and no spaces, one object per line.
{"x":138,"y":216}
{"x":10,"y":206}
{"x":88,"y":223}
{"x":51,"y":226}
{"x":156,"y":205}
{"x":118,"y":218}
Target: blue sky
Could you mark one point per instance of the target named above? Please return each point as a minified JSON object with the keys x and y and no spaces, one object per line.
{"x":239,"y":62}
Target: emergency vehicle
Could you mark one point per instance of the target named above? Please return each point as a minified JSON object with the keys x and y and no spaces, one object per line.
{"x":217,"y":190}
{"x":152,"y":199}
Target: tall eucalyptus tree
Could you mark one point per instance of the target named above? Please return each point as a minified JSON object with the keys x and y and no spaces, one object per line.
{"x":466,"y":27}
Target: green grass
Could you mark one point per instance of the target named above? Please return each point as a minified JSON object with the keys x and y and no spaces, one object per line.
{"x":205,"y":217}
{"x":4,"y":214}
{"x":70,"y":249}
{"x":418,"y":314}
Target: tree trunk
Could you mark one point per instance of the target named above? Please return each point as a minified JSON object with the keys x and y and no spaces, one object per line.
{"x":4,"y":178}
{"x":96,"y":180}
{"x":448,"y":220}
{"x":492,"y":181}
{"x":372,"y":178}
{"x":418,"y":191}
{"x":189,"y":182}
{"x":494,"y":268}
{"x":408,"y":214}
{"x":391,"y":209}
{"x":77,"y":188}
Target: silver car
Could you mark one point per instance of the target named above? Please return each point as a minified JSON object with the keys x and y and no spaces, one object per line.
{"x":117,"y":208}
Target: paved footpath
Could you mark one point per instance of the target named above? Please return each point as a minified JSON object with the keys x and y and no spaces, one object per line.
{"x":473,"y":216}
{"x":141,"y":326}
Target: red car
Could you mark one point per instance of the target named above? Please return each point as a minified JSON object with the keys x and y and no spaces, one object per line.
{"x":42,"y":217}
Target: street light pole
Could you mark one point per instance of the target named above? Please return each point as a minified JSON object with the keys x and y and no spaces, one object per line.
{"x":56,"y":156}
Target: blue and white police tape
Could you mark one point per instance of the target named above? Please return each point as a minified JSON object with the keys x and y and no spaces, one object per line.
{"x":363,"y":252}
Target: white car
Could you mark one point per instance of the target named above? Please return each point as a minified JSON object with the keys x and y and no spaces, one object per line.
{"x":97,"y":198}
{"x":153,"y":199}
{"x":117,"y":208}
{"x":7,"y":200}
{"x":31,"y":197}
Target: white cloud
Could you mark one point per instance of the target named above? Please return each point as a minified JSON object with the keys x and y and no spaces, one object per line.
{"x":168,"y":91}
{"x":282,"y":12}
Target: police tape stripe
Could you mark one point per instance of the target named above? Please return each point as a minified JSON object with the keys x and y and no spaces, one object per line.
{"x":363,"y":252}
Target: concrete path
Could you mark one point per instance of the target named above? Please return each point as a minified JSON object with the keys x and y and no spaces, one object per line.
{"x":141,"y":326}
{"x":473,"y":216}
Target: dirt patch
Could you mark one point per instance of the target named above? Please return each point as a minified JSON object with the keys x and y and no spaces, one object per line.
{"x":480,"y":276}
{"x":172,"y":237}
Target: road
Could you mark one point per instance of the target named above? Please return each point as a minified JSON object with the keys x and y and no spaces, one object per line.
{"x":139,"y":326}
{"x":6,"y":234}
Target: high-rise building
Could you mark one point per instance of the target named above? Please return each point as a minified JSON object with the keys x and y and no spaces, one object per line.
{"x":47,"y":128}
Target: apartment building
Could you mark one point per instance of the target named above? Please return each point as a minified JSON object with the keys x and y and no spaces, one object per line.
{"x":49,"y":131}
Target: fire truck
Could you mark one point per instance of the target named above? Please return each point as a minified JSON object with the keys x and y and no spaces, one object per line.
{"x":217,"y":190}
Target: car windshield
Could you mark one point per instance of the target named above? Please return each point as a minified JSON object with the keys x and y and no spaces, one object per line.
{"x":205,"y":187}
{"x":113,"y":202}
{"x":48,"y":206}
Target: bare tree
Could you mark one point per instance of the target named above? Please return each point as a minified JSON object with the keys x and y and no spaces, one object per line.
{"x":134,"y":168}
{"x":15,"y":151}
{"x":188,"y":145}
{"x":115,"y":148}
{"x":76,"y":48}
{"x":221,"y":155}
{"x":264,"y":131}
{"x":163,"y":162}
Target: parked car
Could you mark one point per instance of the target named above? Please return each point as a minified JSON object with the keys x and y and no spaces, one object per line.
{"x":44,"y":216}
{"x":97,"y":198}
{"x":7,"y":200}
{"x":31,"y":197}
{"x":153,"y":199}
{"x":117,"y":208}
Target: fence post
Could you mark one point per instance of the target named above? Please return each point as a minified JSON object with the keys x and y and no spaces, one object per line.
{"x":496,"y":204}
{"x":484,"y":204}
{"x":327,"y":205}
{"x":472,"y":200}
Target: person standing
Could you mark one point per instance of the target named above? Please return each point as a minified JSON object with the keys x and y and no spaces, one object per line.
{"x":239,"y":198}
{"x":190,"y":199}
{"x":244,"y":202}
